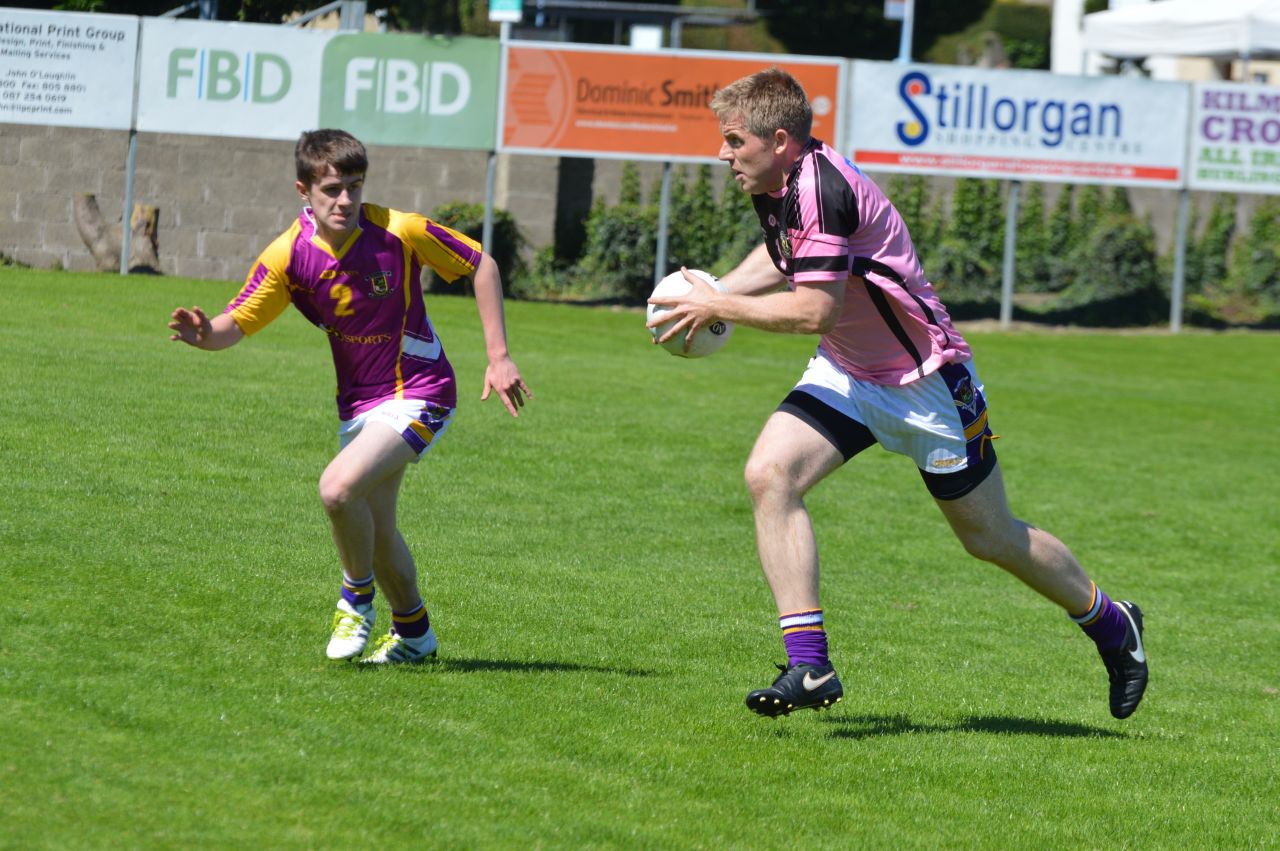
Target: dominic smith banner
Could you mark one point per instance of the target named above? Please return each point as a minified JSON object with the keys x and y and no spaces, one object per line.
{"x":642,"y":105}
{"x":1032,"y":125}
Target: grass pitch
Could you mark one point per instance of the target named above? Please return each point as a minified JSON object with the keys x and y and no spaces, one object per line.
{"x":591,"y":573}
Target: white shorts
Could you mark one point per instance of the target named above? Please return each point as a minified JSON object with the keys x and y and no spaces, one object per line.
{"x":939,"y":421}
{"x":420,"y":423}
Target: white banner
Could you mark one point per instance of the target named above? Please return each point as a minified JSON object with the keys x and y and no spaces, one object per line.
{"x":67,"y":70}
{"x":1026,"y":125}
{"x":217,"y":79}
{"x":1235,"y":138}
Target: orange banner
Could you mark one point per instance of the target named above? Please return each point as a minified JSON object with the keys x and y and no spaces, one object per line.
{"x":652,"y":105}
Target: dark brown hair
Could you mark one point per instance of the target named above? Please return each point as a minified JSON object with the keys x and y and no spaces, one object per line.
{"x":320,"y":148}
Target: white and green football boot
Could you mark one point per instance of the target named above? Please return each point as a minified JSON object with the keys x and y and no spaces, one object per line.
{"x":351,"y":628}
{"x":393,"y":649}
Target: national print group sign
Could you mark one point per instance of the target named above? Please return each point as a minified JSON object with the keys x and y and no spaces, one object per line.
{"x":582,"y":101}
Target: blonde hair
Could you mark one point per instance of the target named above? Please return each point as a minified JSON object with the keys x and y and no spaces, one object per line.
{"x":766,"y":101}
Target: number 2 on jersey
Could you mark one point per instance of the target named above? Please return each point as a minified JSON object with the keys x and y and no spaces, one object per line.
{"x":341,"y":293}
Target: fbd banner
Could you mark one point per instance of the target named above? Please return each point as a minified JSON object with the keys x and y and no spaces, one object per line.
{"x":220,"y":79}
{"x":1033,"y":125}
{"x":412,"y":91}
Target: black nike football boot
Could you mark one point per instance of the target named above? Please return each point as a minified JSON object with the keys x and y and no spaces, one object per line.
{"x":1127,"y":664}
{"x":801,"y":686}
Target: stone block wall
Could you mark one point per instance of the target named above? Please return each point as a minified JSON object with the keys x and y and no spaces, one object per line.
{"x":221,"y":200}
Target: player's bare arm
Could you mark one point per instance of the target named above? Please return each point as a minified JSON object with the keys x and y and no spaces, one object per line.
{"x":809,"y":309}
{"x":755,"y":275}
{"x":196,"y":329}
{"x":502,"y":374}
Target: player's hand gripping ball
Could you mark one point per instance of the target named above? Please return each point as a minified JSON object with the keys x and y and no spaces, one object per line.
{"x":709,"y":339}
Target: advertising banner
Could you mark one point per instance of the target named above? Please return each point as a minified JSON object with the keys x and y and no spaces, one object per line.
{"x":217,"y":79}
{"x":1030,"y":125}
{"x":410,"y":90}
{"x":1235,"y":138}
{"x":615,"y":102}
{"x":67,"y":70}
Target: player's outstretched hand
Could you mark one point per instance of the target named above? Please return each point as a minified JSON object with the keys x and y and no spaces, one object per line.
{"x":190,"y":326}
{"x":503,"y":376}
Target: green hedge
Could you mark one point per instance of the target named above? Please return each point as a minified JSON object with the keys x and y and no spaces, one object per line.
{"x":1087,"y":259}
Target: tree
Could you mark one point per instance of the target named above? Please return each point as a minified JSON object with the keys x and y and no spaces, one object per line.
{"x":1032,"y":253}
{"x":1061,"y":238}
{"x":858,"y":29}
{"x":1214,"y":246}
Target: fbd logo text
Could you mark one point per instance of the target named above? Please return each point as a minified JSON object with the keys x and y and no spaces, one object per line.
{"x":406,"y":86}
{"x":224,"y":75}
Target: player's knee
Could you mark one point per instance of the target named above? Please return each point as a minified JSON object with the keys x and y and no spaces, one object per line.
{"x":335,"y":494}
{"x":986,"y":545}
{"x":765,"y":479}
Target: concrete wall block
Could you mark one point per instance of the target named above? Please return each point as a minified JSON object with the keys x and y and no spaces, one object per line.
{"x":258,"y":162}
{"x":10,"y":146}
{"x":237,"y":249}
{"x":260,"y":220}
{"x":47,"y":207}
{"x":199,"y":267}
{"x":158,"y":158}
{"x":78,"y":262}
{"x":175,"y":243}
{"x":37,"y":257}
{"x":24,"y":177}
{"x":74,"y":179}
{"x":189,"y":214}
{"x":51,"y":150}
{"x":18,"y":236}
{"x":64,"y":238}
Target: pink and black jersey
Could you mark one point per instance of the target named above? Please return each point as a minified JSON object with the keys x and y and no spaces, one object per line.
{"x":367,"y":297}
{"x":830,"y":222}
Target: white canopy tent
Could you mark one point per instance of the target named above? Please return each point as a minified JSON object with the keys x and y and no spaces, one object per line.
{"x":1220,"y":29}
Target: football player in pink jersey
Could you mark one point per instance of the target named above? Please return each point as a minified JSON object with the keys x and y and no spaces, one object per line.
{"x":353,"y":270}
{"x":890,"y":368}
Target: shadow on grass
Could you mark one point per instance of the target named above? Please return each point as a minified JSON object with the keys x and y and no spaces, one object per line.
{"x":468,"y":666}
{"x":869,"y":726}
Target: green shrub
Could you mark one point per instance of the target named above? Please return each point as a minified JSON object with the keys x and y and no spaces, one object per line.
{"x":505,"y":249}
{"x":1032,"y":253}
{"x":1119,"y":282}
{"x":617,"y":257}
{"x":1251,"y":294}
{"x":1061,"y":239}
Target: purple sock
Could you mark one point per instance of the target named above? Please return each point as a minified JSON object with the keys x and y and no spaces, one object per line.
{"x":412,"y":624}
{"x":1103,"y":622}
{"x":804,"y":637}
{"x":357,"y":593}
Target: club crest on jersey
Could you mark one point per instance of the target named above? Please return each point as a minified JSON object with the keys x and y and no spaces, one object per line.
{"x":379,"y":284}
{"x":966,"y":397}
{"x":784,"y":245}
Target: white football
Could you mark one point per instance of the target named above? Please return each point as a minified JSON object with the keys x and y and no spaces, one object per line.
{"x":709,"y":339}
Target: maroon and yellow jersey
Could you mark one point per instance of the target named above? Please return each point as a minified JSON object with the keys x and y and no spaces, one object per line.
{"x":367,"y":296}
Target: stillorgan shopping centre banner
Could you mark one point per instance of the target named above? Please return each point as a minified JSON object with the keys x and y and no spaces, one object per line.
{"x":1029,"y":125}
